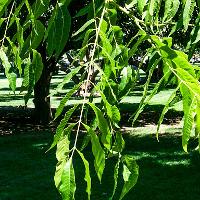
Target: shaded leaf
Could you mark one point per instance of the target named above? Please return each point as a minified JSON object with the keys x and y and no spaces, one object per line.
{"x":103,"y":126}
{"x":130,"y":174}
{"x":98,"y":152}
{"x":116,"y":174}
{"x":87,"y":174}
{"x":58,"y":30}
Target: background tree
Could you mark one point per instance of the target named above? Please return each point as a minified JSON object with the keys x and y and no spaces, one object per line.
{"x":32,"y":32}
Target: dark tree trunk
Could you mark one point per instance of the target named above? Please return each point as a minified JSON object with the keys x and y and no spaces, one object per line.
{"x":41,"y":100}
{"x":43,"y":113}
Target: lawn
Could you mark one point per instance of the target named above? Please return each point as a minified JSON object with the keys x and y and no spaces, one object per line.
{"x":26,"y":171}
{"x":166,"y":172}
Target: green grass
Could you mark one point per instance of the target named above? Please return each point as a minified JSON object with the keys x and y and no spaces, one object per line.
{"x":26,"y":172}
{"x":166,"y":172}
{"x":8,"y":98}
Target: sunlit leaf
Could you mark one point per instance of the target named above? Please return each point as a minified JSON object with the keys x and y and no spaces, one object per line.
{"x":11,"y":76}
{"x":87,"y":24}
{"x":67,"y":186}
{"x":61,"y":126}
{"x":37,"y":65}
{"x":65,"y":99}
{"x":189,"y":106}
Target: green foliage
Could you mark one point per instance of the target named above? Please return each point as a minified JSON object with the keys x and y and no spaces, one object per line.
{"x":104,"y":50}
{"x":87,"y":174}
{"x":58,"y":29}
{"x":11,"y":76}
{"x":130,"y":174}
{"x":67,"y":185}
{"x":98,"y":152}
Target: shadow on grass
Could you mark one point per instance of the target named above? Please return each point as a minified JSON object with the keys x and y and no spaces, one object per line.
{"x":8,"y":98}
{"x":26,"y":172}
{"x":9,"y":90}
{"x":150,"y":114}
{"x":166,"y":172}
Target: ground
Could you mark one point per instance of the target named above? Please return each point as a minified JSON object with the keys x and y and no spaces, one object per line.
{"x":27,"y":170}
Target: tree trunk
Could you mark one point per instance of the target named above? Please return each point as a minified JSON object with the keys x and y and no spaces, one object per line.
{"x":41,"y":100}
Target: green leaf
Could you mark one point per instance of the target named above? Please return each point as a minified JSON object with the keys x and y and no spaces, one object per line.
{"x":34,"y":39}
{"x":65,"y":99}
{"x":189,"y":81}
{"x":152,"y":7}
{"x":187,"y":13}
{"x":177,"y":26}
{"x":62,"y":151}
{"x":58,"y":30}
{"x":127,"y":80}
{"x":66,"y":79}
{"x":141,"y":5}
{"x":2,"y":20}
{"x":105,"y":43}
{"x":16,"y":53}
{"x":165,"y":109}
{"x":118,"y":34}
{"x":37,"y":65}
{"x":87,"y":24}
{"x":11,"y":76}
{"x":197,"y":128}
{"x":130,"y":175}
{"x":3,"y":4}
{"x":62,"y":130}
{"x":171,"y":8}
{"x":39,"y":7}
{"x":116,"y":174}
{"x":61,"y":126}
{"x":87,"y":174}
{"x":26,"y":78}
{"x":146,"y":100}
{"x":134,"y":48}
{"x":62,"y":154}
{"x":189,"y":106}
{"x":116,"y":116}
{"x":103,"y":126}
{"x":194,"y":37}
{"x":29,"y":80}
{"x":119,"y":142}
{"x":98,"y":152}
{"x":83,"y":11}
{"x":112,"y":111}
{"x":67,"y":186}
